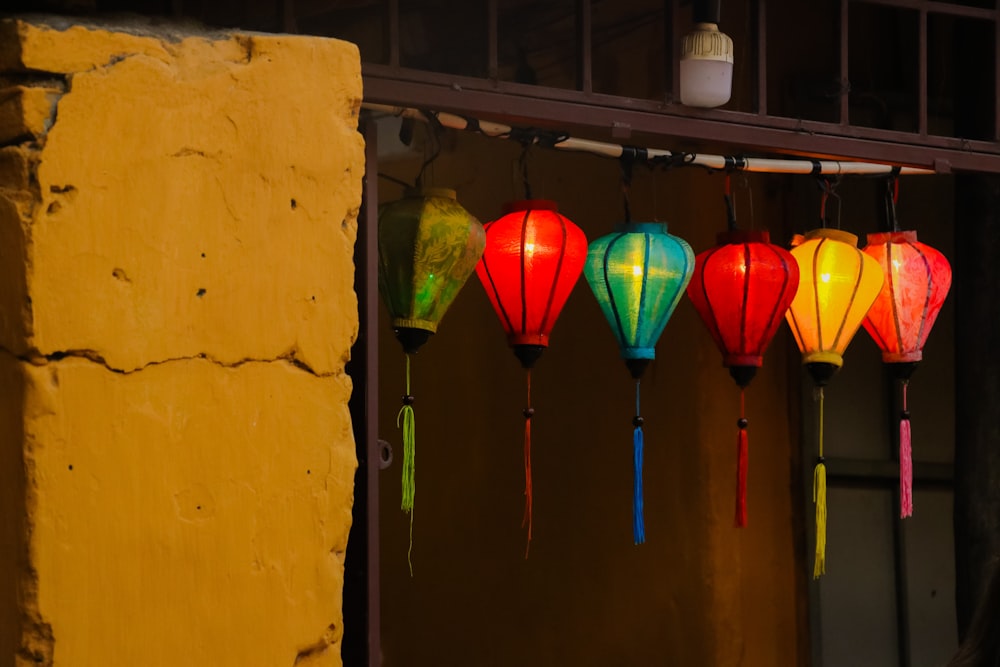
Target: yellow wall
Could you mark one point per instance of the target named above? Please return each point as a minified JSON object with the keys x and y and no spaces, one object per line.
{"x":178,"y":217}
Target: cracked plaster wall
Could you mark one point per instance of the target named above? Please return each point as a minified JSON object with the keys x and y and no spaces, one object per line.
{"x":177,"y":221}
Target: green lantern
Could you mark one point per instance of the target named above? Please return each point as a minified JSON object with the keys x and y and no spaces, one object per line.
{"x":638,"y":275}
{"x":428,"y":245}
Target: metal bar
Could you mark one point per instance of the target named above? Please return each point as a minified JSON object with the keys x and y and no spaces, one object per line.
{"x":761,"y":44}
{"x":392,"y":31}
{"x":493,"y":39}
{"x":372,"y":447}
{"x":996,"y":75}
{"x":845,"y":75}
{"x":922,"y":74}
{"x":455,"y":92}
{"x":361,"y":640}
{"x":894,"y":406}
{"x":902,"y":595}
{"x":585,"y":69}
{"x":931,"y":7}
{"x":610,"y":150}
{"x":884,"y":473}
{"x":674,"y":52}
{"x":737,"y":129}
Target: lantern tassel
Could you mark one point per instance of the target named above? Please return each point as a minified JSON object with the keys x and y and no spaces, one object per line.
{"x":905,"y":461}
{"x":529,"y":412}
{"x":408,"y":426}
{"x":819,"y":498}
{"x":638,"y":516}
{"x":742,"y":456}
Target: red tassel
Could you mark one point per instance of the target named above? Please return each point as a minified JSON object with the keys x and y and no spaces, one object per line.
{"x":529,"y":412}
{"x":742,"y":454}
{"x":905,"y":462}
{"x":741,"y":479}
{"x":527,"y":482}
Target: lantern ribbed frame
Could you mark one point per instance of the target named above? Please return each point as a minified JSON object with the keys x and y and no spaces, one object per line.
{"x":741,"y":289}
{"x":428,"y":247}
{"x":837,"y":285}
{"x":533,"y":258}
{"x":638,"y":275}
{"x":917,"y":280}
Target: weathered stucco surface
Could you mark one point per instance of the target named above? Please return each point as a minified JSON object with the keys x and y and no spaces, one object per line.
{"x":177,"y":221}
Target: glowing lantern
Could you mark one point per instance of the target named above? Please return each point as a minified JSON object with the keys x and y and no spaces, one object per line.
{"x":428,"y":245}
{"x":917,"y":279}
{"x":837,"y":285}
{"x":638,"y":275}
{"x":741,"y":289}
{"x":532,"y":260}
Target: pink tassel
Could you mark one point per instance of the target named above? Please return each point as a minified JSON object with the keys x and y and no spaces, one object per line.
{"x":905,"y":467}
{"x":905,"y":462}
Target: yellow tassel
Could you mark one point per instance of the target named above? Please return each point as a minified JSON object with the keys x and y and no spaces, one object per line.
{"x":819,"y":498}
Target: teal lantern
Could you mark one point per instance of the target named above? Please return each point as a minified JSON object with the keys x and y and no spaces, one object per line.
{"x":428,"y":246}
{"x":638,"y":275}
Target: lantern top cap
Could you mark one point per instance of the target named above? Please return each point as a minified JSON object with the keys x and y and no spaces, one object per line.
{"x":444,"y":193}
{"x":907,"y":236}
{"x":743,"y":236}
{"x":641,"y":227}
{"x":530,"y":205}
{"x":833,"y":235}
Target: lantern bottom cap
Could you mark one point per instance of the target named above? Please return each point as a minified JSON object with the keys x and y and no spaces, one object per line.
{"x":902,"y":370}
{"x":411,"y":338}
{"x":821,"y":372}
{"x":742,"y":374}
{"x":528,"y":354}
{"x":637,"y":367}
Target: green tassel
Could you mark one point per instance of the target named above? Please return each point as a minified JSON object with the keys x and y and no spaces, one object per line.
{"x":406,"y":421}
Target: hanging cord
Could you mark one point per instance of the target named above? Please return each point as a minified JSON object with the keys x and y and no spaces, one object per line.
{"x":742,"y":462}
{"x":819,"y":498}
{"x":745,"y":185}
{"x":638,"y":517}
{"x":529,"y":412}
{"x":434,"y":140}
{"x":905,"y":460}
{"x":829,"y":189}
{"x":627,"y":163}
{"x":727,"y":197}
{"x":891,"y":199}
{"x":522,"y":163}
{"x":409,"y":455}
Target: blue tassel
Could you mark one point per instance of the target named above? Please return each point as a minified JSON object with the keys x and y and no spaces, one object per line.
{"x":638,"y":522}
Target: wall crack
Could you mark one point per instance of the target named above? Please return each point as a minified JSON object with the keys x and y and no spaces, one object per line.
{"x":37,"y":359}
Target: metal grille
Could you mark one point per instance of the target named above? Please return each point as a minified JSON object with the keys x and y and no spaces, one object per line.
{"x":546,"y":65}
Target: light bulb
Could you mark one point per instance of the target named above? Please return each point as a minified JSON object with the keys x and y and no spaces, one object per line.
{"x":706,"y":67}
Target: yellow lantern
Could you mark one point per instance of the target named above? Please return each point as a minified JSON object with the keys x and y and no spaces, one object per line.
{"x":837,"y":285}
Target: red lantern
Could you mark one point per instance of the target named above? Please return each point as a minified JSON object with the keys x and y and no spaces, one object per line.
{"x":532,"y":260}
{"x":917,"y":279}
{"x":741,"y":289}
